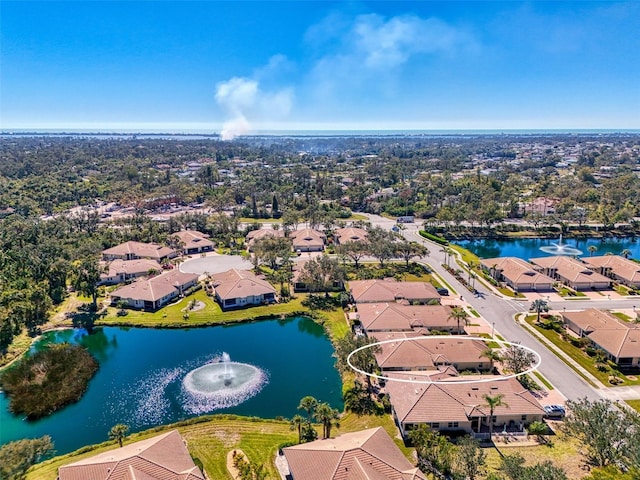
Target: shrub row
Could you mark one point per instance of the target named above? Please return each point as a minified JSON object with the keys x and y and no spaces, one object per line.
{"x":434,"y":238}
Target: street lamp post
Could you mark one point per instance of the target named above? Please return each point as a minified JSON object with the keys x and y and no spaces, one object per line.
{"x":493,"y":329}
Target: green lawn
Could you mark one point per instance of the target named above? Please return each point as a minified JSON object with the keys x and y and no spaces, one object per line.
{"x":173,"y":315}
{"x":635,"y":404}
{"x":577,"y":355}
{"x":210,"y":439}
{"x":622,"y":316}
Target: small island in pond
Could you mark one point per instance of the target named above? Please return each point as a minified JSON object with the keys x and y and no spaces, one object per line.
{"x":48,"y":380}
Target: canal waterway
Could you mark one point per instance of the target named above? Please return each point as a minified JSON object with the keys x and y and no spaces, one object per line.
{"x":527,"y":248}
{"x":139,"y":382}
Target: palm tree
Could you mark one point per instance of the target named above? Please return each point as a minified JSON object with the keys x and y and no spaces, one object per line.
{"x":459,"y":314}
{"x":491,"y":355}
{"x":626,"y":253}
{"x":539,"y":306}
{"x":326,"y":415}
{"x":493,"y":402}
{"x":296,"y":423}
{"x":119,"y":432}
{"x":472,"y":265}
{"x":592,"y":249}
{"x":309,"y":405}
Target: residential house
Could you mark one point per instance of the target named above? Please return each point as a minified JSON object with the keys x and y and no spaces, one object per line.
{"x":620,"y":269}
{"x":367,"y":454}
{"x":390,"y":290}
{"x":151,"y":294}
{"x":454,"y":406}
{"x":541,"y":206}
{"x":194,"y":242}
{"x":571,"y":272}
{"x":350,"y":234}
{"x":241,"y":288}
{"x":119,"y":271}
{"x":620,"y":340}
{"x":134,"y":250}
{"x":163,"y":457}
{"x":517,"y":274}
{"x":413,"y":352}
{"x":307,"y":240}
{"x":401,"y":317}
{"x":254,"y":235}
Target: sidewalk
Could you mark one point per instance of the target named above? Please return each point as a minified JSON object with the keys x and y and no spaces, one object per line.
{"x":559,"y":353}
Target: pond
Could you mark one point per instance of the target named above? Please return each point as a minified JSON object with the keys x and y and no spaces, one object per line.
{"x":140,"y":380}
{"x":527,"y":248}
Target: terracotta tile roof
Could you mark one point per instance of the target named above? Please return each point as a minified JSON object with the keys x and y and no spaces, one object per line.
{"x":367,"y":454}
{"x":130,"y":267}
{"x":429,"y":351}
{"x":593,"y":319}
{"x":451,"y":402}
{"x":194,"y":239}
{"x":163,"y":457}
{"x":306,"y":238}
{"x":517,"y":270}
{"x":573,"y":270}
{"x":240,"y":284}
{"x":255,"y":235}
{"x":620,"y":266}
{"x":155,"y":288}
{"x":619,"y":342}
{"x":350,"y":234}
{"x":401,"y":317}
{"x":140,"y":250}
{"x":390,"y":290}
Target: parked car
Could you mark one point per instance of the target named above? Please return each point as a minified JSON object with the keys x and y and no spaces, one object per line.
{"x":443,"y":292}
{"x":554,"y":411}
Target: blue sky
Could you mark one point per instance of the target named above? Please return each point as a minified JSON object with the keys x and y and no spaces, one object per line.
{"x":241,"y":66}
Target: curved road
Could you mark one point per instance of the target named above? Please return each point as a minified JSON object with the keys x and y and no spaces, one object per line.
{"x":501,"y":311}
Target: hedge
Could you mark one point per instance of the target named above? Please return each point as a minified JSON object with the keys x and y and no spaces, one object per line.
{"x":434,"y":238}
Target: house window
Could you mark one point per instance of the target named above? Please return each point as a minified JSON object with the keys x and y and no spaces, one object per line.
{"x":435,"y":425}
{"x":523,"y":418}
{"x":453,"y":424}
{"x":230,"y":301}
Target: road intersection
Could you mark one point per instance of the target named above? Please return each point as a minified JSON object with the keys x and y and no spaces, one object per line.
{"x":501,"y":314}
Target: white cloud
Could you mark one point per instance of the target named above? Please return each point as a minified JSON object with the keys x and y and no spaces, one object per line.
{"x":389,"y":43}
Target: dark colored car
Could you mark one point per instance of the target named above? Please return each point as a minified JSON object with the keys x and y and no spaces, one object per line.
{"x":443,"y":291}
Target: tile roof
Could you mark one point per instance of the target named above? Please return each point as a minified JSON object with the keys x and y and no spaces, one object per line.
{"x":163,"y":457}
{"x":428,"y":351}
{"x":451,"y":401}
{"x":350,"y":234}
{"x":155,"y":288}
{"x":364,"y":455}
{"x":240,"y":284}
{"x":573,"y":270}
{"x":517,"y":270}
{"x":307,"y":237}
{"x":140,"y":250}
{"x":619,"y":338}
{"x":390,"y":290}
{"x":401,"y":317}
{"x":620,"y":266}
{"x":139,"y":266}
{"x":255,"y":235}
{"x":193,"y":239}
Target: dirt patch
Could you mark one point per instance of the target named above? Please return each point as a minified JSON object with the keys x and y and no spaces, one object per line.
{"x":233,"y":471}
{"x":228,"y":439}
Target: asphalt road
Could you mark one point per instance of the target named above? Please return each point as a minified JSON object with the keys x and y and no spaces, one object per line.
{"x":501,"y":312}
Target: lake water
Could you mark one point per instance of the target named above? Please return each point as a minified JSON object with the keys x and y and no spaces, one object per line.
{"x":139,"y":382}
{"x":527,"y":248}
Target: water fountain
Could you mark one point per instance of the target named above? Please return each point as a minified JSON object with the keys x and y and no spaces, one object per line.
{"x":560,"y":249}
{"x":221,"y":384}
